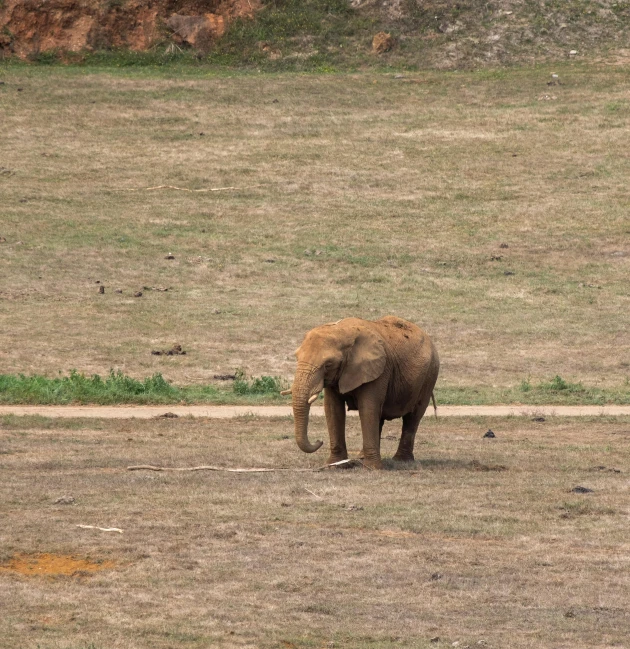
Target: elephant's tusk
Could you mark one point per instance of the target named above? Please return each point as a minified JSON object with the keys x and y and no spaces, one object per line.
{"x":285,"y":392}
{"x":313,"y":398}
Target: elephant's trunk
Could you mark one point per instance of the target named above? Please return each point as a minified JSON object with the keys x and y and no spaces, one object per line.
{"x":305,"y":385}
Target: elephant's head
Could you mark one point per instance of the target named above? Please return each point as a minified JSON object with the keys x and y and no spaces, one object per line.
{"x":345,"y":354}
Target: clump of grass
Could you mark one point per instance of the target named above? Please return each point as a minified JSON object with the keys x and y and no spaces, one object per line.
{"x":117,"y":387}
{"x":558,"y":384}
{"x":264,"y":385}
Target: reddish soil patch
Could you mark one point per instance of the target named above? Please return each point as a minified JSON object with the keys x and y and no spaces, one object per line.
{"x":52,"y":565}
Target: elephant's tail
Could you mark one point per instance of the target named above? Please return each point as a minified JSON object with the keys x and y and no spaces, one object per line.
{"x":434,"y":406}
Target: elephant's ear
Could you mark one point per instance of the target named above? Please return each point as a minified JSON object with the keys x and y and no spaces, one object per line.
{"x":365,"y":362}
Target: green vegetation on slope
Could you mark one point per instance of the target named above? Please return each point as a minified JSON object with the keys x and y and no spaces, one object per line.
{"x":446,"y":34}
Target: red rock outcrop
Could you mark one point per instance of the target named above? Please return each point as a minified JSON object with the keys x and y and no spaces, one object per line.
{"x":28,"y":27}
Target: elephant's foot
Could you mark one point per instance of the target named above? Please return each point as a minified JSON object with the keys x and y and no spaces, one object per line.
{"x":372,"y":463}
{"x":404,"y":457}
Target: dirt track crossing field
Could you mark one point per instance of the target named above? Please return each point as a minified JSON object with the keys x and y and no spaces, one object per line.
{"x":227,"y":412}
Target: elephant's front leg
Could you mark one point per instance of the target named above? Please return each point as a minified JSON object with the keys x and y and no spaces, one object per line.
{"x":370,"y":416}
{"x":380,"y":436}
{"x":335,"y":409}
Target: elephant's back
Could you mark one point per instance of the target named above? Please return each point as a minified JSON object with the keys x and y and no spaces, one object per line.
{"x":403,"y":330}
{"x":407,"y":341}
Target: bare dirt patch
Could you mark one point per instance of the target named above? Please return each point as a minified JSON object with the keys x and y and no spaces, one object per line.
{"x":52,"y":565}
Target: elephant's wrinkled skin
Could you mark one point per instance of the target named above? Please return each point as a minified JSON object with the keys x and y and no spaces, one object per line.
{"x":384,"y":368}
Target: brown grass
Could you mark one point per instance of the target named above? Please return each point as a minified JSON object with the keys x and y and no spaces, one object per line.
{"x":445,"y":547}
{"x":370,"y":196}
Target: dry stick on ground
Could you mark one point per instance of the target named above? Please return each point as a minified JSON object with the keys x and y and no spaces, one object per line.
{"x":209,"y":467}
{"x":185,"y":189}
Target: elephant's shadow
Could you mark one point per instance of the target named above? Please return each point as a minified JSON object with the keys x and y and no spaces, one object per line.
{"x":427,"y":464}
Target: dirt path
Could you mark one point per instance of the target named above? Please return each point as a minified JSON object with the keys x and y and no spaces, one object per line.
{"x":227,"y":412}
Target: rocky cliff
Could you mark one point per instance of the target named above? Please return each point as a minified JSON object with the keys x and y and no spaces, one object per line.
{"x":29,"y":27}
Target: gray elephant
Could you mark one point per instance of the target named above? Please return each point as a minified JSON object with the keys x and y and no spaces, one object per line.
{"x":384,"y":368}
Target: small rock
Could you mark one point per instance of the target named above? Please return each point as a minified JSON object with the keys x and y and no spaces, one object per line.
{"x":308,"y":252}
{"x":118,"y":290}
{"x":382,"y":42}
{"x":436,"y":576}
{"x":435,"y":639}
{"x":496,"y":258}
{"x":569,"y":614}
{"x":572,"y":52}
{"x":20,"y":89}
{"x":503,"y":245}
{"x":3,"y":240}
{"x":101,"y":289}
{"x":538,"y":419}
{"x":581,"y":490}
{"x":65,"y":500}
{"x":170,"y":256}
{"x":489,"y":434}
{"x":275,"y":101}
{"x":138,"y":294}
{"x":399,"y":76}
{"x":202,"y":134}
{"x":270,"y":261}
{"x":168,"y":415}
{"x":508,"y":273}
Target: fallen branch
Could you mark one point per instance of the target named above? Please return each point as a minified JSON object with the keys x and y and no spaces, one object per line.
{"x":186,"y":189}
{"x":149,"y":467}
{"x":103,"y":529}
{"x":210,"y":467}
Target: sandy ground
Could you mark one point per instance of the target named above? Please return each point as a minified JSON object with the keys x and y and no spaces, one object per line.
{"x":227,"y":412}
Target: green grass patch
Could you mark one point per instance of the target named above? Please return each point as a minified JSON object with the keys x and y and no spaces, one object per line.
{"x":118,"y":388}
{"x":264,"y":385}
{"x":78,"y":388}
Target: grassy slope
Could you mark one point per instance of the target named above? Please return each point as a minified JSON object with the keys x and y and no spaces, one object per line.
{"x":443,"y":34}
{"x":369,"y":195}
{"x":363,"y":195}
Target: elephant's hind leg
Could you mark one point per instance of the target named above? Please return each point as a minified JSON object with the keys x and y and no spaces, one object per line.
{"x":410,"y":425}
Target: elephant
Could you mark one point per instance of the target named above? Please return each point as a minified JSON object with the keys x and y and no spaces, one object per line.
{"x":384,"y":368}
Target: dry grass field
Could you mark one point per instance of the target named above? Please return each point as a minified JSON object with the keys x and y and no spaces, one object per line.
{"x":481,"y":542}
{"x":358,"y":194}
